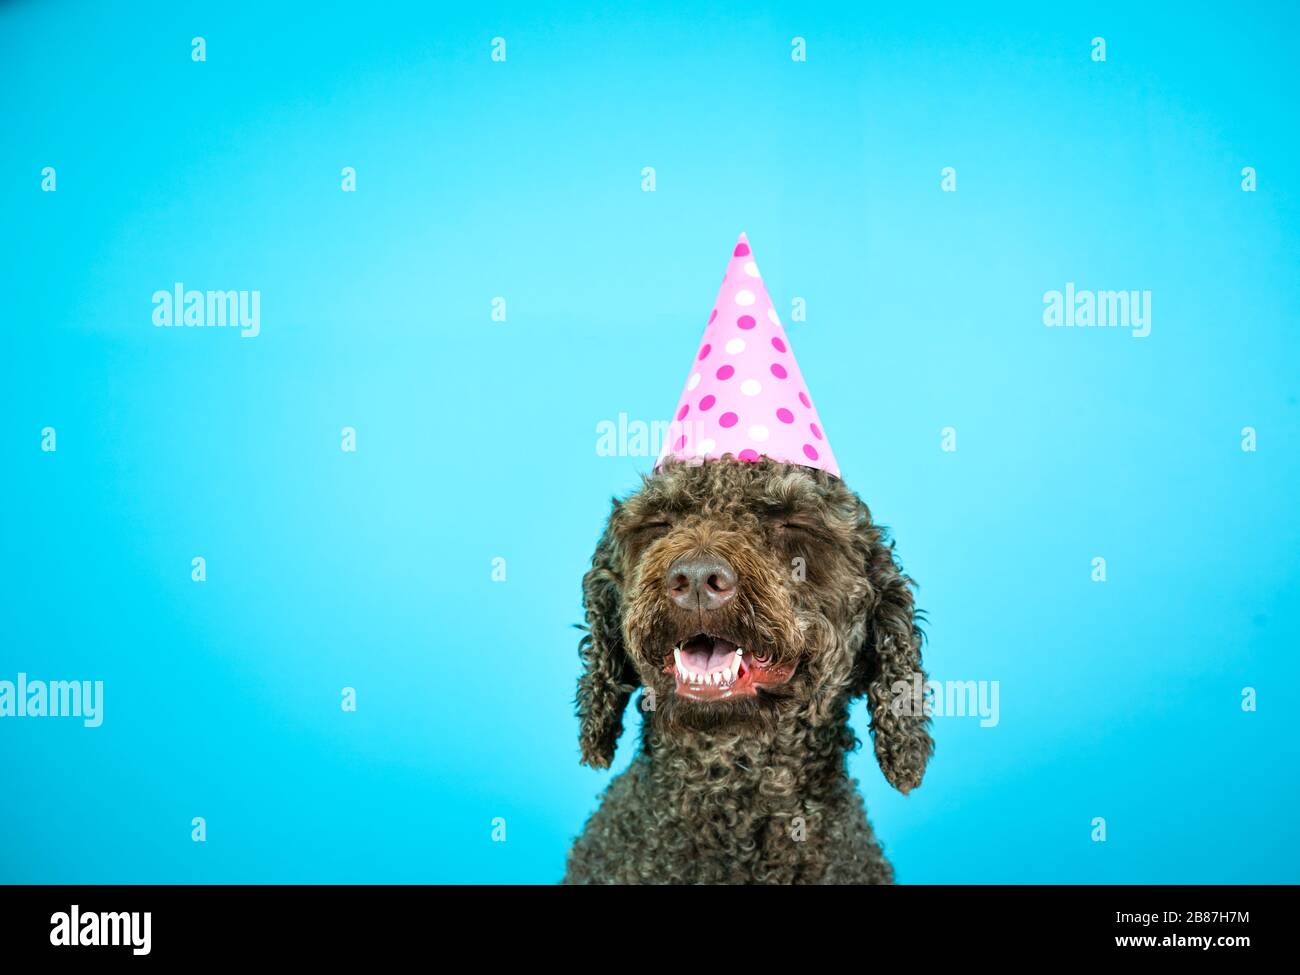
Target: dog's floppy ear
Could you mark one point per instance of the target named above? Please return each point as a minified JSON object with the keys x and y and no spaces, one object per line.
{"x":607,"y":679}
{"x":889,"y":668}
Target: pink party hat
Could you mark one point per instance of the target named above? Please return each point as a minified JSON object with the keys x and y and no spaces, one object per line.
{"x":745,"y":395}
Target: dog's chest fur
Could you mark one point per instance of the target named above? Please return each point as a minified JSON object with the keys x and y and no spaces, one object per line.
{"x":728,"y":808}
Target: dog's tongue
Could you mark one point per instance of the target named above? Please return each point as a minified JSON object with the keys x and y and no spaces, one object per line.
{"x":705,"y":653}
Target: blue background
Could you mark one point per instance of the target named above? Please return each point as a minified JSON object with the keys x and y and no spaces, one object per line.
{"x":477,"y":439}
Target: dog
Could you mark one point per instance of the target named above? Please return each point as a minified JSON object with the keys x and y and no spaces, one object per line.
{"x":753,"y":602}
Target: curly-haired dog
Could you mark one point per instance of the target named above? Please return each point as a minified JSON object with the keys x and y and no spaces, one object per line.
{"x":753,"y":602}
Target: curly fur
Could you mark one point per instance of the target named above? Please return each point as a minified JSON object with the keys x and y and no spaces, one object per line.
{"x":754,"y":790}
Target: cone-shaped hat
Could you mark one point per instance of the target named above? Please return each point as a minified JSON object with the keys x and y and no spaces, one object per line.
{"x":745,"y":395}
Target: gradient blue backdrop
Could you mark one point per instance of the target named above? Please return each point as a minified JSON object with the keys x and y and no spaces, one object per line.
{"x":477,"y":439}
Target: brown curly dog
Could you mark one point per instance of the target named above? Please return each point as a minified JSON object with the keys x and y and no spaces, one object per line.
{"x":752,"y":602}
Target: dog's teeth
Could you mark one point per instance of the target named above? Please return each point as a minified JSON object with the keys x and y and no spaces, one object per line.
{"x":739,"y":651}
{"x":677,"y":657}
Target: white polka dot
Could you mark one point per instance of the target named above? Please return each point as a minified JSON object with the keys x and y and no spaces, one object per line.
{"x":751,"y":387}
{"x":771,"y":313}
{"x":736,"y":346}
{"x":751,"y":269}
{"x":758,"y":433}
{"x":745,"y":297}
{"x":693,"y":381}
{"x":706,"y":446}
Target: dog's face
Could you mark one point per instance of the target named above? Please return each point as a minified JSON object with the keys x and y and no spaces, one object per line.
{"x":745,"y":593}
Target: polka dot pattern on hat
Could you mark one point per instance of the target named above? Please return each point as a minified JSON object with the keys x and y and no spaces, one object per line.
{"x":754,"y":403}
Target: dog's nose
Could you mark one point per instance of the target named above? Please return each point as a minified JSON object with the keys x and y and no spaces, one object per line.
{"x":701,"y":581}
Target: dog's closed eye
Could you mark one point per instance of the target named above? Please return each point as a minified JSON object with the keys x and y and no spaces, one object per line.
{"x":648,"y":531}
{"x":799,"y":528}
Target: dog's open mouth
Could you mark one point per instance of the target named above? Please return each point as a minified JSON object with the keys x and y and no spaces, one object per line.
{"x":711,"y":668}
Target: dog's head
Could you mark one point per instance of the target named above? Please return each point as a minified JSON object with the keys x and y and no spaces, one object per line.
{"x":744,"y":592}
